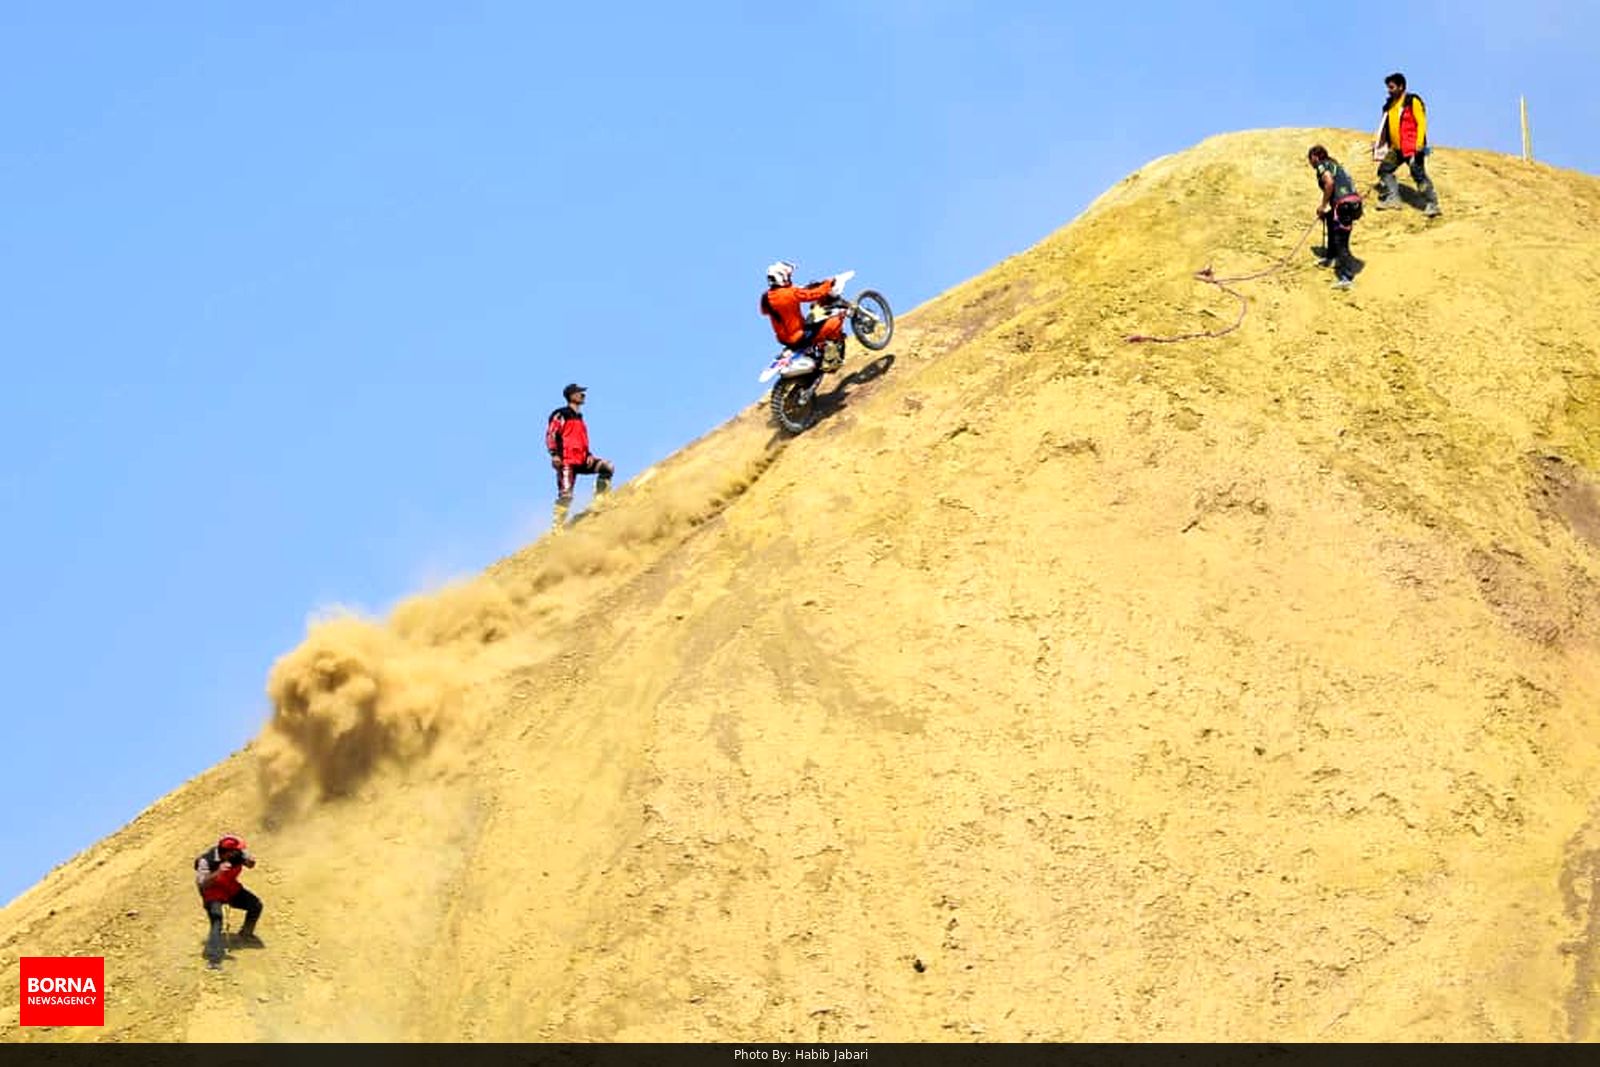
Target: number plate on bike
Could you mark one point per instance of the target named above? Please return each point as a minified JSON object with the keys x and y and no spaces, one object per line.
{"x":776,"y":366}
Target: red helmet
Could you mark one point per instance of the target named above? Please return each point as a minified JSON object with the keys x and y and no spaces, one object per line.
{"x":230,"y":843}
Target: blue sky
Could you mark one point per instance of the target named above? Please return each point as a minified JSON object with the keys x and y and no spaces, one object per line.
{"x":285,"y":295}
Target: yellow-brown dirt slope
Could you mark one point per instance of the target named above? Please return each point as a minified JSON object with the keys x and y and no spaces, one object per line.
{"x":1053,"y":687}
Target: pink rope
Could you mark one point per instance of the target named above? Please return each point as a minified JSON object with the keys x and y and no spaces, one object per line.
{"x":1209,"y":277}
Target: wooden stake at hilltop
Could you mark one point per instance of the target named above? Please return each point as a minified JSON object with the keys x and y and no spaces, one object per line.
{"x":1527,"y":141}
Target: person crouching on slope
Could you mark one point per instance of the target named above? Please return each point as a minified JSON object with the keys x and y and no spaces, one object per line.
{"x":567,"y":439}
{"x":1404,"y":132}
{"x":782,"y":304}
{"x":1339,"y":209}
{"x":216,"y":874}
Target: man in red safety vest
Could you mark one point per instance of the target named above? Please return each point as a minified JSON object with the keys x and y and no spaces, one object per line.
{"x":216,"y":875}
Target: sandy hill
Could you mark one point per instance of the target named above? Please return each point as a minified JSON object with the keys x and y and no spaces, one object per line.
{"x":1054,"y":687}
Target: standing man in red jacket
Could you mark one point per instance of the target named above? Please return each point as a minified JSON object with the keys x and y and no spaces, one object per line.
{"x":216,"y":875}
{"x":1404,"y":133}
{"x":566,"y":437}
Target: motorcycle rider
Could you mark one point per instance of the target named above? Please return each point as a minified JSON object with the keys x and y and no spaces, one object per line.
{"x":781,"y":303}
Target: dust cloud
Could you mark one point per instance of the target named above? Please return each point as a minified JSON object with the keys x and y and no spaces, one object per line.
{"x":359,"y":693}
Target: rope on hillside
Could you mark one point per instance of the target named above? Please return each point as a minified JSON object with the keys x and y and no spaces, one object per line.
{"x":1209,"y":277}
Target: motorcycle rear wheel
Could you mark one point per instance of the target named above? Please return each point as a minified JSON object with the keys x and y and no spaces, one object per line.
{"x":794,"y":405}
{"x":872,"y":320}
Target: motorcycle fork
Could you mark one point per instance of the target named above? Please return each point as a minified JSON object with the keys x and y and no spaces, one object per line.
{"x":808,"y":392}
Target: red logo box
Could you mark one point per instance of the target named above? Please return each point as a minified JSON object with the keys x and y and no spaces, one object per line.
{"x":63,"y":991}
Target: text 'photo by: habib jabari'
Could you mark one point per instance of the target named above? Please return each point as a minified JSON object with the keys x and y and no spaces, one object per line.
{"x":803,"y":1054}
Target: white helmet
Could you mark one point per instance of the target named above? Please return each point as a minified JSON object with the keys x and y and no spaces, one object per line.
{"x":780,"y":273}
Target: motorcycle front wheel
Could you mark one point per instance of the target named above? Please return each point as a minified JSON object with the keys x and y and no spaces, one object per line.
{"x":794,"y":405}
{"x":872,"y":320}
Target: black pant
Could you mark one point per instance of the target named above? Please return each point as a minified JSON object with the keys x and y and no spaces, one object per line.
{"x":1419,"y":172}
{"x":1338,"y":245}
{"x":244,"y":901}
{"x":567,"y":477}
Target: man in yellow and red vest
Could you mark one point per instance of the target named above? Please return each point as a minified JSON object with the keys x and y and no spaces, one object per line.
{"x":1404,"y":133}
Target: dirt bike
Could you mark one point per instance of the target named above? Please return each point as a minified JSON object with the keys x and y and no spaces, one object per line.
{"x":799,"y":372}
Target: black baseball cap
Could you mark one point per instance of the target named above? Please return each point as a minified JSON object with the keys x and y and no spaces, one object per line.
{"x":573,"y":388}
